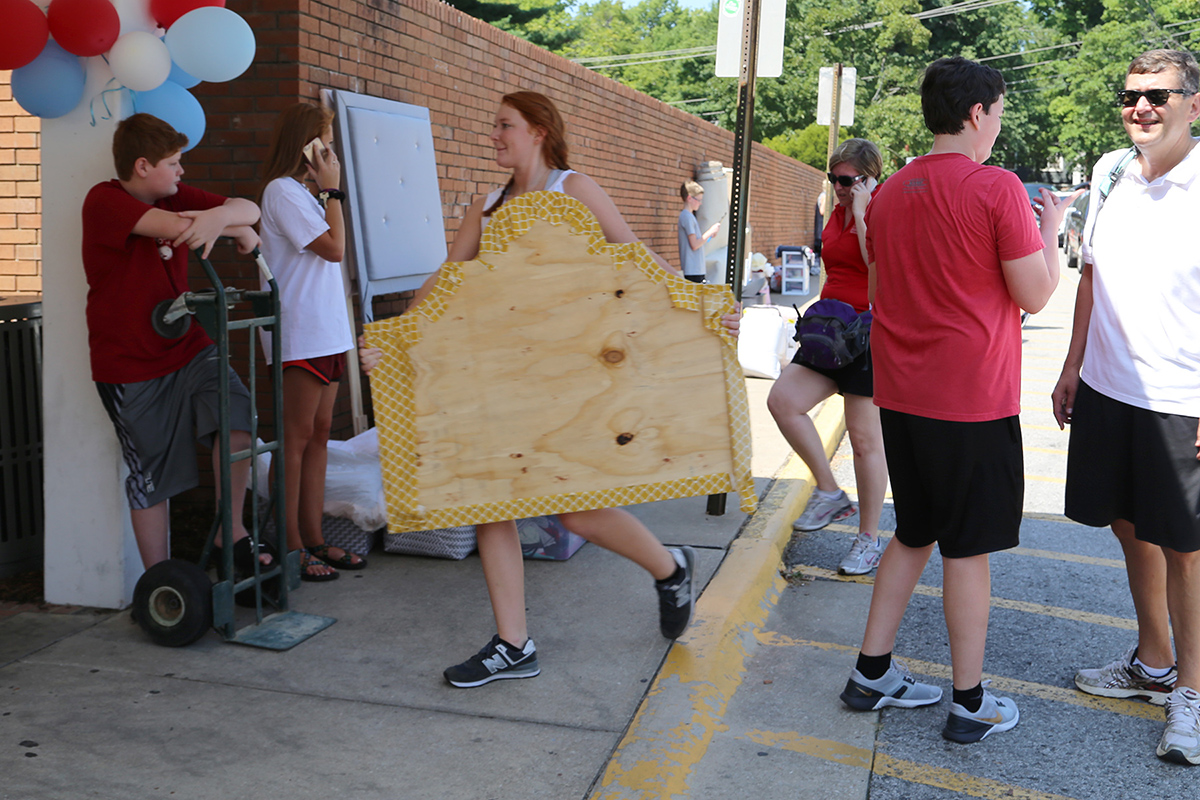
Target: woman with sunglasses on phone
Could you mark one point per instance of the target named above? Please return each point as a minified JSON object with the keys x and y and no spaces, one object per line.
{"x":303,"y":236}
{"x":529,"y":138}
{"x":854,"y":170}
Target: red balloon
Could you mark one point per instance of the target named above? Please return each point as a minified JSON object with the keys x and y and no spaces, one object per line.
{"x":23,"y":34}
{"x":84,"y":27}
{"x":165,"y":12}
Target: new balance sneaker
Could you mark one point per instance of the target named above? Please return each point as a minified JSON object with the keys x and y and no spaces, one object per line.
{"x":496,"y":661}
{"x":822,"y":510}
{"x":897,"y":688}
{"x":995,"y":715}
{"x":864,"y":555}
{"x":677,"y":595}
{"x":1180,"y":741}
{"x":1123,"y":678}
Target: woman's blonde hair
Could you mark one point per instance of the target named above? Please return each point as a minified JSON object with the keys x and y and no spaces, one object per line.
{"x":861,"y":154}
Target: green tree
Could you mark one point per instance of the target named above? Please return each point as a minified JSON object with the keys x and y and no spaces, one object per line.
{"x":809,"y":145}
{"x":1061,"y":62}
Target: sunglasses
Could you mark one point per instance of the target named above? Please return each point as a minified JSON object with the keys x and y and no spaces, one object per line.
{"x":845,"y":180}
{"x":1155,"y":97}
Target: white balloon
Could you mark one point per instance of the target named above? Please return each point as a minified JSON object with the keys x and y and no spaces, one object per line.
{"x":140,"y":61}
{"x":211,"y":43}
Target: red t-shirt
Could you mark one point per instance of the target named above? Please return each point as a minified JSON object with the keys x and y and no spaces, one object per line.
{"x":946,"y":337}
{"x":845,"y":270}
{"x":126,"y":278}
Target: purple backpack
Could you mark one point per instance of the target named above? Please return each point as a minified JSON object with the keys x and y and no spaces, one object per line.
{"x":832,"y":334}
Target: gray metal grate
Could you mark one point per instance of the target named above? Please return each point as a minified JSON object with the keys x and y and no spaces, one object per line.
{"x":21,"y":502}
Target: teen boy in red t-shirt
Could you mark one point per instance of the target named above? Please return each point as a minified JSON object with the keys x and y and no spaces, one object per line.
{"x":954,"y":254}
{"x":159,"y":393}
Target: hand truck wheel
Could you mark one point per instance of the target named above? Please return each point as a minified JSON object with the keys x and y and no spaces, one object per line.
{"x":172,"y":602}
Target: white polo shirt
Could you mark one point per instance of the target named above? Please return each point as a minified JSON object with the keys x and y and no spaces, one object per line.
{"x":1143,"y":344}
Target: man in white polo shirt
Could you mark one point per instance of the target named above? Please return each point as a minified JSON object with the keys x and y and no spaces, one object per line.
{"x":1130,"y":387}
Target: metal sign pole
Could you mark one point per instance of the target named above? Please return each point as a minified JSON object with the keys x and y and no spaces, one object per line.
{"x":834,"y":128}
{"x":735,"y":264}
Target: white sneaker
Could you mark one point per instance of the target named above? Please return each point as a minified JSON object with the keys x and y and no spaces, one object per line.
{"x":864,"y":555}
{"x":995,"y":714}
{"x":1180,"y":741}
{"x":821,"y":510}
{"x":896,"y":688}
{"x":1124,"y":678}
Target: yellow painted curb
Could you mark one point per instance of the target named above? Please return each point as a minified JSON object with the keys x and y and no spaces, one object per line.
{"x":674,"y":725}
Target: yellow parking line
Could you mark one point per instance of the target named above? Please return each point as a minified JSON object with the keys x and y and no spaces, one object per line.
{"x":803,"y":571}
{"x":1054,"y":451}
{"x":889,"y":766}
{"x":1045,"y":478}
{"x":1029,"y":426}
{"x":1042,"y":691}
{"x":1054,"y":555}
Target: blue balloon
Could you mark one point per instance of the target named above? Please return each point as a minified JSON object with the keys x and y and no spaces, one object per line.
{"x":51,"y":85}
{"x":212,"y":43}
{"x":175,"y":106}
{"x":182,"y":78}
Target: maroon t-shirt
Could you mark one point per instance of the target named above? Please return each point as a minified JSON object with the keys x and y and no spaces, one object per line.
{"x":127,"y":277}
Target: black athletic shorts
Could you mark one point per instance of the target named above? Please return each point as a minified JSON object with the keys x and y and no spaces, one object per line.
{"x":1134,"y":464}
{"x":855,"y":378}
{"x":960,"y":484}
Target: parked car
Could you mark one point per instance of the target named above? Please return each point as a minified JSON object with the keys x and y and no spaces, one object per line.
{"x":1073,"y":221}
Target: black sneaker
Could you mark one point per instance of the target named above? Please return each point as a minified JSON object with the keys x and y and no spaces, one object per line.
{"x":494,"y":662}
{"x":677,"y":596}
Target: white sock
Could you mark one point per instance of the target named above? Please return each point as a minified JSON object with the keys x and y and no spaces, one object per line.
{"x":1153,"y":672}
{"x":828,"y":495}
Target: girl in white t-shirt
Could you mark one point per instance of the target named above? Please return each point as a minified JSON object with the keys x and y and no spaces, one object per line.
{"x":303,"y":243}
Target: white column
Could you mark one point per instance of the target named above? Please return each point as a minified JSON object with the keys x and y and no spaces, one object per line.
{"x":91,"y":555}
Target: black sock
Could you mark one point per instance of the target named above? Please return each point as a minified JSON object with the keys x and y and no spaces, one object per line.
{"x":512,"y":646}
{"x":873,"y":667}
{"x":674,"y":577}
{"x":970,"y":699}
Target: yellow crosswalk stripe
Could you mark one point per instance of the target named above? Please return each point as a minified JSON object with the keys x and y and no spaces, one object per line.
{"x":892,"y":767}
{"x":804,"y":571}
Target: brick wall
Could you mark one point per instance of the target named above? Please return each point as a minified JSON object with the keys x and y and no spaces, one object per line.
{"x":427,"y":53}
{"x":20,"y":198}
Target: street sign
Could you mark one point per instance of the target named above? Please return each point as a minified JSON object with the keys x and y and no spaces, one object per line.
{"x":845,"y":96}
{"x":731,"y":14}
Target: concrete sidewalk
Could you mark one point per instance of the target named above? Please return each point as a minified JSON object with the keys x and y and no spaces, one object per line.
{"x":90,"y":708}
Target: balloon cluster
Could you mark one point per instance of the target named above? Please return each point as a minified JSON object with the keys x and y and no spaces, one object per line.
{"x":203,"y":41}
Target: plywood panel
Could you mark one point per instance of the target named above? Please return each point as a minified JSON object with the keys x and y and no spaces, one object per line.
{"x":555,"y":373}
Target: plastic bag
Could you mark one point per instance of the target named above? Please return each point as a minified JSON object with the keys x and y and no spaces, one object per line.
{"x":354,"y":481}
{"x":765,"y":340}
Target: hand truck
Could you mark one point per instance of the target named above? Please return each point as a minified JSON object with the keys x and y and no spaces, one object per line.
{"x":175,"y":602}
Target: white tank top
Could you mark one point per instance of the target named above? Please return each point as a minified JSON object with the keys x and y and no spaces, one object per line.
{"x":554,"y":183}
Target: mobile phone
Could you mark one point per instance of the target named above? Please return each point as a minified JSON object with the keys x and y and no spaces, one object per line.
{"x":312,"y":147}
{"x":871,"y":184}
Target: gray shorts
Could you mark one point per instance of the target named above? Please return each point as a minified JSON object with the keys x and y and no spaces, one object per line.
{"x":159,"y":421}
